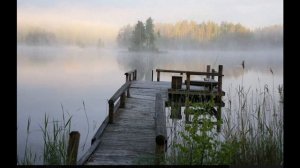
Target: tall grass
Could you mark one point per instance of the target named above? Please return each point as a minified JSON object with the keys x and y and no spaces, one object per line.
{"x":55,"y":140}
{"x":29,"y":156}
{"x":258,"y":127}
{"x":55,"y":135}
{"x":251,"y":134}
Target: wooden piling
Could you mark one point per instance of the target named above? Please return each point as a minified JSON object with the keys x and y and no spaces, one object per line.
{"x":213,"y":71}
{"x":73,"y":148}
{"x":188,"y":80}
{"x":161,"y":129}
{"x":134,"y":75}
{"x":219,"y":97}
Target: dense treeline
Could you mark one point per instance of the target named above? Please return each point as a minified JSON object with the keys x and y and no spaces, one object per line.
{"x":189,"y":34}
{"x":39,"y":36}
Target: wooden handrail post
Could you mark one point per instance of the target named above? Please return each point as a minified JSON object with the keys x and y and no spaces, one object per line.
{"x":126,"y":77}
{"x":158,"y":76}
{"x":111,"y":111}
{"x":213,"y":71}
{"x":122,"y":100}
{"x":152,"y":75}
{"x":208,"y":70}
{"x":128,"y":93}
{"x":73,"y":148}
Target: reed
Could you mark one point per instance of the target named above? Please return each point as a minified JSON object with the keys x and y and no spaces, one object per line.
{"x":55,"y":139}
{"x":55,"y":135}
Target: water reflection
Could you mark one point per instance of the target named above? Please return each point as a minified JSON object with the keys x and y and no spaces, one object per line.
{"x":260,"y":61}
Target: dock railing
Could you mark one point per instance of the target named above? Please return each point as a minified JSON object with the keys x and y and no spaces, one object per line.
{"x":115,"y":102}
{"x":208,"y":74}
{"x":120,"y":93}
{"x":114,"y":105}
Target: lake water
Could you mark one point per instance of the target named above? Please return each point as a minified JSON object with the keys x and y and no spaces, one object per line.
{"x":48,"y":77}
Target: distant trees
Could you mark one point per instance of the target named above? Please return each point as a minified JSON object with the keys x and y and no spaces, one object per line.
{"x":189,"y":34}
{"x":40,"y":37}
{"x":124,"y":36}
{"x":100,"y":43}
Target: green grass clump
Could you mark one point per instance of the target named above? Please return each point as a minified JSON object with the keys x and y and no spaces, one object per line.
{"x":55,"y":140}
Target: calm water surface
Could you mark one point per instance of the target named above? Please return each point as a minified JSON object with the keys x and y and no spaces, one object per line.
{"x":51,"y":77}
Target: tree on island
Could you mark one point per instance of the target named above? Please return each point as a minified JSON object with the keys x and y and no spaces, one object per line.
{"x":143,"y":37}
{"x":150,"y":34}
{"x":139,"y":37}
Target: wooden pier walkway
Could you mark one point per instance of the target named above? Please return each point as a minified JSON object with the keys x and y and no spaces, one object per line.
{"x":136,"y":125}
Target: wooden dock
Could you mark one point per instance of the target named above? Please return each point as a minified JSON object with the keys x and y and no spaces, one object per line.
{"x":136,"y":125}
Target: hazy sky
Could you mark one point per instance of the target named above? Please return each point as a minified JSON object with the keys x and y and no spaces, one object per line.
{"x":113,"y":14}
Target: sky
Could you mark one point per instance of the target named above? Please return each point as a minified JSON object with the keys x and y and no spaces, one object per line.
{"x":111,"y":15}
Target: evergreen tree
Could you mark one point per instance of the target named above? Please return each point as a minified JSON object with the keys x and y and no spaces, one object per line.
{"x":150,"y":34}
{"x":139,"y":37}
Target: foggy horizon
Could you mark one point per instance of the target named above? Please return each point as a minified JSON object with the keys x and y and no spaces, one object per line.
{"x":87,"y":20}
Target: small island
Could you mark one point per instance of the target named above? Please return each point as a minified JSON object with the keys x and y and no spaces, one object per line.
{"x":142,"y":38}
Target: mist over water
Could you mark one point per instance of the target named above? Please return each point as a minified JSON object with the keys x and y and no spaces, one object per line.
{"x":48,"y":77}
{"x":196,"y":60}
